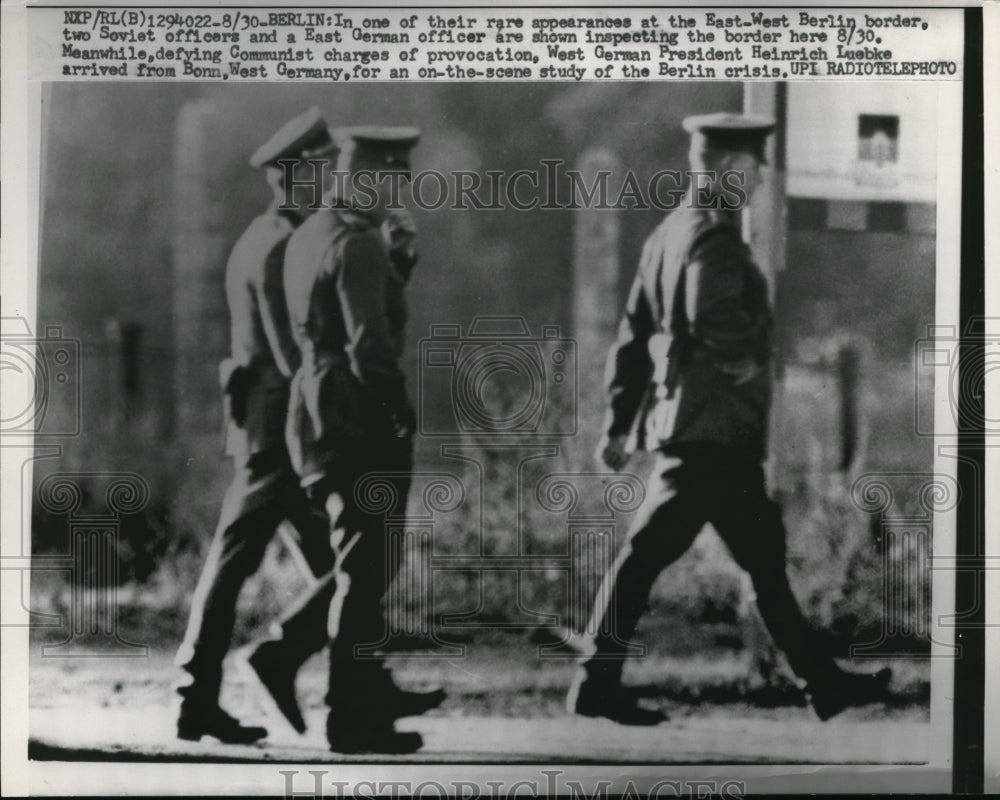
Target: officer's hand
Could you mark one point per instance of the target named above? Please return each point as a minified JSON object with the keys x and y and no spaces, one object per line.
{"x":404,"y":420}
{"x":612,"y":452}
{"x":401,"y":230}
{"x":741,"y":371}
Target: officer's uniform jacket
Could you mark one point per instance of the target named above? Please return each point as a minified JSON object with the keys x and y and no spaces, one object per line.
{"x":697,"y":310}
{"x":255,"y":379}
{"x":346,"y":309}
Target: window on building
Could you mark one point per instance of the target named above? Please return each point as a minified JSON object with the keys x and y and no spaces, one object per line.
{"x":878,"y":139}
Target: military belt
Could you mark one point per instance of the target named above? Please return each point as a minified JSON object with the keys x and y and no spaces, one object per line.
{"x":324,"y":358}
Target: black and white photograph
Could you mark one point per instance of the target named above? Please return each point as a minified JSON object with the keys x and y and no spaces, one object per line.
{"x":370,"y":431}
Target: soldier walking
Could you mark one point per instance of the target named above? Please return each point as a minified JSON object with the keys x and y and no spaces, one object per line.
{"x":265,"y":490}
{"x":689,"y":378}
{"x":349,"y":416}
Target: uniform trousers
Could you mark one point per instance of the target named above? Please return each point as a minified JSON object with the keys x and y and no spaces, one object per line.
{"x":691,"y":485}
{"x":360,"y":489}
{"x":264,"y":492}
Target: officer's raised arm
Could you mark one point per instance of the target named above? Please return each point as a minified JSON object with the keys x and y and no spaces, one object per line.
{"x":401,"y":233}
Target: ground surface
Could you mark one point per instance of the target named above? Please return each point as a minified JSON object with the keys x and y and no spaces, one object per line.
{"x":505,"y":704}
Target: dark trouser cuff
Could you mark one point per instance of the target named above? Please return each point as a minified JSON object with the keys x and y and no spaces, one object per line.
{"x":604,"y":668}
{"x":202,"y":689}
{"x":357,"y":681}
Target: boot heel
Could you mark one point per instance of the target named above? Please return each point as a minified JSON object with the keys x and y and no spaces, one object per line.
{"x":188,"y":732}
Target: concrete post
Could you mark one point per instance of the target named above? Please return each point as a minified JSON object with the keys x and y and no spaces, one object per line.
{"x":201,"y":327}
{"x":597,"y":304}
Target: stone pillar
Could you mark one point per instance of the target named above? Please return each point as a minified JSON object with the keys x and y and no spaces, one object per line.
{"x":201,"y":324}
{"x":597,"y":301}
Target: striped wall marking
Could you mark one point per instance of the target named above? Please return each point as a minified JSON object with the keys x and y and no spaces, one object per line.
{"x":819,"y":214}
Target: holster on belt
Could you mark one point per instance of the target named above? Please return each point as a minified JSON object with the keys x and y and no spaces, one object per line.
{"x":235,"y":380}
{"x":666,"y":354}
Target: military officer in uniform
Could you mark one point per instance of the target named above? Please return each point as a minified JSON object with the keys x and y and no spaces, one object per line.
{"x":265,"y":490}
{"x":689,"y":378}
{"x":350,"y":415}
{"x":303,"y":630}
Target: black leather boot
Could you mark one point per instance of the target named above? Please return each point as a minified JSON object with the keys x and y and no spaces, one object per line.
{"x":593,"y":695}
{"x":847,"y":689}
{"x":196,"y":721}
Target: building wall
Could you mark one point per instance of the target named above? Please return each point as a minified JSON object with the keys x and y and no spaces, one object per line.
{"x":824,"y":147}
{"x":858,"y":267}
{"x":860,"y":260}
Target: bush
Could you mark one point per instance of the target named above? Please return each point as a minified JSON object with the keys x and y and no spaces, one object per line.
{"x":834,"y":553}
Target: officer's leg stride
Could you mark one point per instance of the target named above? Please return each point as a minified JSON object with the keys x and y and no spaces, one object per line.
{"x":364,"y":701}
{"x":752,"y":527}
{"x":662,"y":532}
{"x":247,"y":523}
{"x":308,"y":529}
{"x":358,"y":719}
{"x":302,"y":630}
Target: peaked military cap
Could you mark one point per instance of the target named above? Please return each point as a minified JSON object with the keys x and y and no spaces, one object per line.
{"x":744,"y":133}
{"x":304,"y":135}
{"x":390,"y":145}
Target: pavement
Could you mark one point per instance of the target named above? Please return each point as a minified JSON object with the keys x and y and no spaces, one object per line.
{"x":144,"y":734}
{"x":125,"y":710}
